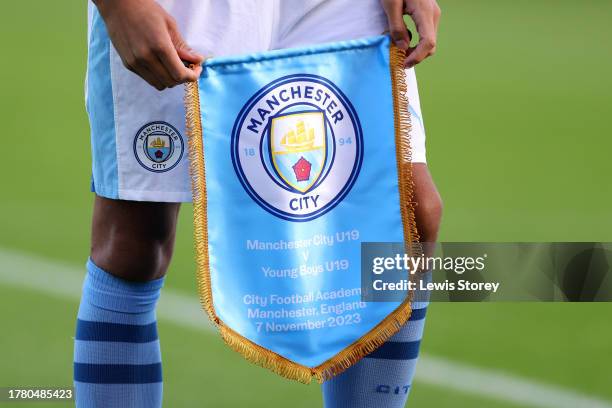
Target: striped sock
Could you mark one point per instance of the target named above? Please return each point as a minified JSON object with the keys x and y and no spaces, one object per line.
{"x":117,"y":360}
{"x":383,"y":378}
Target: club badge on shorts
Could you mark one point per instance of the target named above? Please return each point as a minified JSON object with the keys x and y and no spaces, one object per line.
{"x":158,"y":146}
{"x":297,"y":157}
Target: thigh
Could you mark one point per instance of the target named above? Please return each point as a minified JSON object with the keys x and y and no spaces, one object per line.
{"x":138,"y":133}
{"x":306,"y":22}
{"x":224,"y":27}
{"x":133,"y":240}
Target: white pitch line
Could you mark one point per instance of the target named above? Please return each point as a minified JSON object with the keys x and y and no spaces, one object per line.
{"x":64,"y":280}
{"x":501,"y":386}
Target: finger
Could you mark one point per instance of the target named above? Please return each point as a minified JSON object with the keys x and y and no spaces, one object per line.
{"x":145,"y":60}
{"x":139,"y":67}
{"x":185,"y":52}
{"x":427,"y":39}
{"x":171,"y":60}
{"x":164,"y":71}
{"x":161,"y":81}
{"x":182,"y":52}
{"x":157,"y":68}
{"x":150,"y":77}
{"x":188,"y":54}
{"x":397,"y":27}
{"x":437,"y":14}
{"x":195,"y":68}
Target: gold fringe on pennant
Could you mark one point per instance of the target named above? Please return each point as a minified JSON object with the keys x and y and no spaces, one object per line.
{"x":198,"y":186}
{"x":266,"y":358}
{"x":247,"y":348}
{"x":388,"y":326}
{"x":396,"y":319}
{"x":403,"y":150}
{"x":365,"y":345}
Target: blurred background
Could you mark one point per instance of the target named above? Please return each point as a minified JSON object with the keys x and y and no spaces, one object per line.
{"x":517,"y":107}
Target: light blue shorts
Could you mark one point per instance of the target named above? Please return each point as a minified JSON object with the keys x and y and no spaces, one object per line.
{"x":138,"y":140}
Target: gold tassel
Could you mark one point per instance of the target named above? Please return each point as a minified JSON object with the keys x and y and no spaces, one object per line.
{"x":266,"y":358}
{"x":392,"y":323}
{"x":403,"y":126}
{"x":388,"y":326}
{"x":198,"y":186}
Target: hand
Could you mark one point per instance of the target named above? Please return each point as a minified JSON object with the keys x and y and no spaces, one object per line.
{"x":147,"y":39}
{"x":426,"y":16}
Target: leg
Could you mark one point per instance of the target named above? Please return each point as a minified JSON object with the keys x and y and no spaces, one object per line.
{"x":133,"y":240}
{"x":117,"y":356}
{"x":384,"y":378}
{"x":428,"y":211}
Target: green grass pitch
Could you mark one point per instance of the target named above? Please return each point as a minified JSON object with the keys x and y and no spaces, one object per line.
{"x":517,"y":108}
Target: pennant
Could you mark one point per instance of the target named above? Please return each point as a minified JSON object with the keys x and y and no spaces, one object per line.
{"x":297,"y":157}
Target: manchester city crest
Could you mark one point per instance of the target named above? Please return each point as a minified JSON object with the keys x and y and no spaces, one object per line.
{"x":297,"y":147}
{"x":158,"y":147}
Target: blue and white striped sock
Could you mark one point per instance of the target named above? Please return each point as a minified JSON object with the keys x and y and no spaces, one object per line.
{"x":383,"y":378}
{"x":117,"y":360}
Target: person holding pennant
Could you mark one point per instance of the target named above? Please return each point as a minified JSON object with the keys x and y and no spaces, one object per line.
{"x":298,"y":136}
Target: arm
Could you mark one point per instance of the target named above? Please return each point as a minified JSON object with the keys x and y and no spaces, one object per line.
{"x":426,"y":16}
{"x":147,"y":39}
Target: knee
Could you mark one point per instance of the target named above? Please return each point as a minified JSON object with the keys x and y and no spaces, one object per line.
{"x":139,"y":258}
{"x":133,"y":241}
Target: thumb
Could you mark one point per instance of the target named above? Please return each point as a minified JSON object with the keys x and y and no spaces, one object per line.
{"x":397,"y":26}
{"x":184,"y":51}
